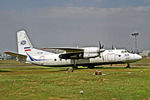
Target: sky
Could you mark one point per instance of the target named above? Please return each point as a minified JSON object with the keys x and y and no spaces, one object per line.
{"x":67,"y":23}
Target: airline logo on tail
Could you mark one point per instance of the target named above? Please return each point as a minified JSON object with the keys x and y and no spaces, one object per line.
{"x":23,"y":42}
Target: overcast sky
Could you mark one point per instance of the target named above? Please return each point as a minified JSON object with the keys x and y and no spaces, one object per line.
{"x":59,"y":23}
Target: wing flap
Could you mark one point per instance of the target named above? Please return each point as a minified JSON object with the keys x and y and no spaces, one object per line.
{"x":67,"y":50}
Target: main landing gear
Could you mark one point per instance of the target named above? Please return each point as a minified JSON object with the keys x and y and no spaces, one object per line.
{"x":74,"y":64}
{"x":91,"y":67}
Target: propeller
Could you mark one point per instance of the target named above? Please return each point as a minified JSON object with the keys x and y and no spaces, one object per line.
{"x":100,"y":48}
{"x":100,"y":45}
{"x":132,"y":50}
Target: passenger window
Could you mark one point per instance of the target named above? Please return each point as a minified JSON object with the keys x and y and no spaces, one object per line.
{"x":54,"y":59}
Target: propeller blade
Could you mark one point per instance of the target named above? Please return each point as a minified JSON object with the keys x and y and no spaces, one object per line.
{"x":100,"y":48}
{"x":100,"y":45}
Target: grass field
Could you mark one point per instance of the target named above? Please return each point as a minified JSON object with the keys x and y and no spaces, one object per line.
{"x":45,"y":83}
{"x":12,"y":63}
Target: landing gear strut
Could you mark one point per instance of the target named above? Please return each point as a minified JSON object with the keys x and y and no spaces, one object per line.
{"x":128,"y":66}
{"x":74,"y":64}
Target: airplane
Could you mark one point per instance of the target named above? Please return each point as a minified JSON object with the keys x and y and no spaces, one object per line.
{"x":70,"y":56}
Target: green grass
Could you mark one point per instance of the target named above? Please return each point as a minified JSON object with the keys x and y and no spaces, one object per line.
{"x":43,"y":83}
{"x":12,"y":63}
{"x":145,"y":60}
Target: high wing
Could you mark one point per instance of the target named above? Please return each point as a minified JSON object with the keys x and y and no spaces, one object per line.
{"x":77,"y":53}
{"x":19,"y":56}
{"x":68,"y":52}
{"x":66,"y":49}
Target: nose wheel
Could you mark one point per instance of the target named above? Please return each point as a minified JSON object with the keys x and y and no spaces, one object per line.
{"x":128,"y":65}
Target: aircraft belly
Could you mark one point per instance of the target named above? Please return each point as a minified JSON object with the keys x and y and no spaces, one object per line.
{"x":96,"y":60}
{"x":81,"y":61}
{"x":58,"y":62}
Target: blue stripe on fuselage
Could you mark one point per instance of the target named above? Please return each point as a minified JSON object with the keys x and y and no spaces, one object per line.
{"x":32,"y":59}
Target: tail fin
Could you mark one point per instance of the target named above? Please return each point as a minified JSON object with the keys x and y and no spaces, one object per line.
{"x":23,"y":42}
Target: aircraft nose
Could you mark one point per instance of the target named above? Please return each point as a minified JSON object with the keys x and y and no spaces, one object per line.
{"x":138,"y":57}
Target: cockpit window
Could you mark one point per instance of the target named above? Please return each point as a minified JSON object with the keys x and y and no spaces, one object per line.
{"x":129,"y":51}
{"x":124,"y":51}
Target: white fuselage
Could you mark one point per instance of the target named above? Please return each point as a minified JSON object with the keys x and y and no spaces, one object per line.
{"x":117,"y":56}
{"x":85,"y":56}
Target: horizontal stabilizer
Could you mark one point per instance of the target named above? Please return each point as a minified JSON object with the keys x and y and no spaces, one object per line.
{"x":19,"y":56}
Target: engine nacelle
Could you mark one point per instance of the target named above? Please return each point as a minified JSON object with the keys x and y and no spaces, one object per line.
{"x":91,"y":52}
{"x":90,"y":55}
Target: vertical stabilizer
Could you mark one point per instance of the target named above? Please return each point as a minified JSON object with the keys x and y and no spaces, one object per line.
{"x":23,"y":42}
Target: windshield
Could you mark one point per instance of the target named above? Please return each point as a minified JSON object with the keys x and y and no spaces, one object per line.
{"x":124,"y":51}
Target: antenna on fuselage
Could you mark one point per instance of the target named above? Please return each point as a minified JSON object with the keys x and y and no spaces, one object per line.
{"x":113,"y":48}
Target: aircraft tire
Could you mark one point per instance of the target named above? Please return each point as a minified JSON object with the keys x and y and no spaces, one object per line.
{"x":91,"y":67}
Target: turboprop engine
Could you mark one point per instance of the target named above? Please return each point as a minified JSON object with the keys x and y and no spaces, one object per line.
{"x":80,"y":53}
{"x":92,"y":52}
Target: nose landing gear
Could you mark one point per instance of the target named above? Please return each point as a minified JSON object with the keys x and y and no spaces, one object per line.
{"x":128,"y":65}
